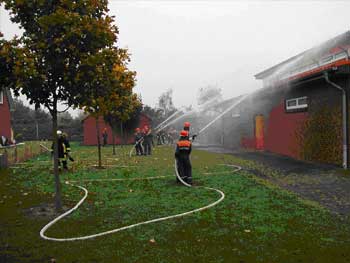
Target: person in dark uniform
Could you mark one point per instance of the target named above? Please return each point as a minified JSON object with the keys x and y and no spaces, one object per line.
{"x":4,"y":141}
{"x":63,"y":149}
{"x":148,"y":141}
{"x":182,"y":156}
{"x":158,"y":135}
{"x":138,"y":141}
{"x":105,"y":136}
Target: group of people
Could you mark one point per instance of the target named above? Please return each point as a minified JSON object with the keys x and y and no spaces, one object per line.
{"x":143,"y":146}
{"x":164,"y":137}
{"x":144,"y":141}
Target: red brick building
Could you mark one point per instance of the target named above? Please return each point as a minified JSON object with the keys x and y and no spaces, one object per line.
{"x":6,"y":106}
{"x":90,"y":134}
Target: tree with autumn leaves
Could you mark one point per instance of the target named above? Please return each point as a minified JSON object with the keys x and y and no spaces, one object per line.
{"x":125,"y":105}
{"x":67,"y":55}
{"x":111,"y":97}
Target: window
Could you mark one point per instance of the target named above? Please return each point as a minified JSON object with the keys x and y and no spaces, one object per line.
{"x":326,"y":59}
{"x":296,"y":104}
{"x":1,"y":97}
{"x":340,"y":55}
{"x":291,"y":103}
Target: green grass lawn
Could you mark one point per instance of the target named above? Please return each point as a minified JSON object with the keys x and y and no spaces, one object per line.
{"x":256,"y":222}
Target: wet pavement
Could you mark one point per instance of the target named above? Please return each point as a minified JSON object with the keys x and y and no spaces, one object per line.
{"x":325,"y":184}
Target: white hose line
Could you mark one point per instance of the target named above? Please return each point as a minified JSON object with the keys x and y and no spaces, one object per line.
{"x":179,"y":177}
{"x":51,"y":223}
{"x":43,"y":230}
{"x":133,"y":148}
{"x":44,"y":147}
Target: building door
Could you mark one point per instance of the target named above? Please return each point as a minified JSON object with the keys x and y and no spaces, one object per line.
{"x":259,"y":132}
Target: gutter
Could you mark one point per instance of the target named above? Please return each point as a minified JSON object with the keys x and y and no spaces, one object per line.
{"x":345,"y":122}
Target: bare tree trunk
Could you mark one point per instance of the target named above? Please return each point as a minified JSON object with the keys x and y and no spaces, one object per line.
{"x":121,"y":134}
{"x":58,"y":199}
{"x":113,"y":140}
{"x":98,"y":142}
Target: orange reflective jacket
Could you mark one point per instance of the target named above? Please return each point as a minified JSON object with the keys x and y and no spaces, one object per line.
{"x":184,"y":145}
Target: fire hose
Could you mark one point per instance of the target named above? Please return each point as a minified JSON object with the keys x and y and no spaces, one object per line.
{"x":133,"y":148}
{"x":71,"y":183}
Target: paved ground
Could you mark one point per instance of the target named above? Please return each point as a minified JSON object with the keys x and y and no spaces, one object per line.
{"x":324,"y":184}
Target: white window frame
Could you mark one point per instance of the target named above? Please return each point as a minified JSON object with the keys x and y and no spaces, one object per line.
{"x":1,"y":97}
{"x":298,"y":106}
{"x":326,"y":60}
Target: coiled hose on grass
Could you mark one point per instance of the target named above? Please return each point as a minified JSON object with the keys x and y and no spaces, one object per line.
{"x":71,"y":183}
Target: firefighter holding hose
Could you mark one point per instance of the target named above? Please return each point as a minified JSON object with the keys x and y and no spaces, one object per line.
{"x":138,"y":141}
{"x":187,"y":126}
{"x":147,"y":140}
{"x":182,"y":156}
{"x":63,"y":149}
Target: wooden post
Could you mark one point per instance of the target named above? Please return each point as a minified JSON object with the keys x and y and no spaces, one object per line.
{"x":15,"y":154}
{"x":3,"y":160}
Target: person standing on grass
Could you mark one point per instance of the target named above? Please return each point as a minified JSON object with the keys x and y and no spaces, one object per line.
{"x":63,"y":149}
{"x":147,"y":141}
{"x":138,"y":141}
{"x":105,"y":136}
{"x":182,"y":156}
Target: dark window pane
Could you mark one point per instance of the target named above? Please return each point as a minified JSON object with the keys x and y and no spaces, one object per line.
{"x":302,"y":101}
{"x":291,"y":103}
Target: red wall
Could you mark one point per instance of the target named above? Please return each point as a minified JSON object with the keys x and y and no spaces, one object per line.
{"x":280,"y":131}
{"x":249,"y":143}
{"x":90,"y":136}
{"x":5,"y":119}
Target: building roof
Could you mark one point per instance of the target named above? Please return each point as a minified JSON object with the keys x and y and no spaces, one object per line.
{"x":8,"y":95}
{"x":333,"y":52}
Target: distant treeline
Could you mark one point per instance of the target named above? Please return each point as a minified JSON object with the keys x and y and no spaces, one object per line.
{"x":29,"y":124}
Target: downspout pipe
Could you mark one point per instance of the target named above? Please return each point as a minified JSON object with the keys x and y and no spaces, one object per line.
{"x":345,"y":122}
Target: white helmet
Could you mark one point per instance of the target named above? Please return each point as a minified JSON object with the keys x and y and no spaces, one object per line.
{"x":59,"y":132}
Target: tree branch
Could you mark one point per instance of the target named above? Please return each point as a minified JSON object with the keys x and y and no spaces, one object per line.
{"x":63,"y":110}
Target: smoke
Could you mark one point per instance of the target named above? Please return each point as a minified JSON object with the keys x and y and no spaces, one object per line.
{"x":329,"y":51}
{"x":201,"y":106}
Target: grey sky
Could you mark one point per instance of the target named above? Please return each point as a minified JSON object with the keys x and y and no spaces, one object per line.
{"x":186,"y":45}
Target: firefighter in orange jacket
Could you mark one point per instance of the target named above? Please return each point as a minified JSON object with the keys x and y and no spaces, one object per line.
{"x":182,"y":155}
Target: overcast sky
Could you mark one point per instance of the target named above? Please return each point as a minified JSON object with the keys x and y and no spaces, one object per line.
{"x":186,"y":45}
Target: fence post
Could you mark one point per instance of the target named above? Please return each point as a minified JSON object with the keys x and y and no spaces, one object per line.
{"x":3,"y":160}
{"x":15,"y":155}
{"x":31,"y":151}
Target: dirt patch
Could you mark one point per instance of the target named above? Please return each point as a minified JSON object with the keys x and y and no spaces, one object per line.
{"x":44,"y":211}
